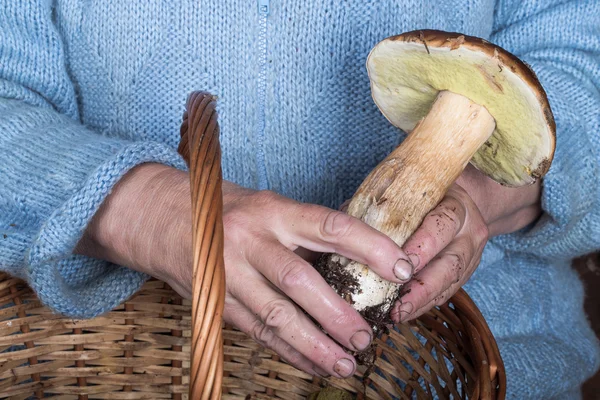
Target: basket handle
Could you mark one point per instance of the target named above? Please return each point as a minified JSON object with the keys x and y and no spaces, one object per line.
{"x":200,"y":147}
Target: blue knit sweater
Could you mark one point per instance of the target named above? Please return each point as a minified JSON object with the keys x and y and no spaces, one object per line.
{"x":89,"y":89}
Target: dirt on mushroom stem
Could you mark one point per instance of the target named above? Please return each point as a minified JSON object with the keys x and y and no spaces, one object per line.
{"x":346,"y":285}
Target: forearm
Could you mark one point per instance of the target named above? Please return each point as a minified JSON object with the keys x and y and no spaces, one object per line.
{"x":145,"y":223}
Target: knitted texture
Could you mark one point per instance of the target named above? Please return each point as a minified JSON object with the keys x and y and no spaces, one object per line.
{"x":89,"y":89}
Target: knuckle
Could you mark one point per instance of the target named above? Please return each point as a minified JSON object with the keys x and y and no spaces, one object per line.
{"x":482,"y":232}
{"x":239,"y":224}
{"x":294,"y":274}
{"x":427,"y":244}
{"x":291,"y":355}
{"x":455,"y":271}
{"x":345,"y":319}
{"x":452,"y":211}
{"x":262,"y":334}
{"x":335,"y":224}
{"x":232,"y":220}
{"x":449,"y":212}
{"x":277,"y":314}
{"x":266,"y":197}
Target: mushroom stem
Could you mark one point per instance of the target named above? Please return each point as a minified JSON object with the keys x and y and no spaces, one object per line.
{"x":414,"y":178}
{"x":411,"y":181}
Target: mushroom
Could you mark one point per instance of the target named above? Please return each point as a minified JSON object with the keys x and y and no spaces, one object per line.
{"x":463,"y":100}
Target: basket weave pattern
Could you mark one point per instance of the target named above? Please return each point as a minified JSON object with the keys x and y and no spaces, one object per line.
{"x":141,"y":350}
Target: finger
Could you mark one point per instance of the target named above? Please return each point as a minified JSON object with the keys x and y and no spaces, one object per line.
{"x":328,"y":231}
{"x":437,"y":230}
{"x":448,"y":268}
{"x":438,"y":301}
{"x":239,"y":316}
{"x":290,"y":324}
{"x":303,"y":284}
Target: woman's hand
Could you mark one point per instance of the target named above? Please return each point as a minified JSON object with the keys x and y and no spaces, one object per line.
{"x":262,"y":231}
{"x":146,"y":224}
{"x":447,"y":247}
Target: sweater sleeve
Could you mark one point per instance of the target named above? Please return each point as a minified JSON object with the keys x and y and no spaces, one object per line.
{"x":54,"y":172}
{"x":560,"y":40}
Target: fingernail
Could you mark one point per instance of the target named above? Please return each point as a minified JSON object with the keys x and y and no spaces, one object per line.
{"x":414,"y":259}
{"x":344,"y":367}
{"x":405,"y":309}
{"x":403,"y":270}
{"x":361,"y":340}
{"x":321,"y":372}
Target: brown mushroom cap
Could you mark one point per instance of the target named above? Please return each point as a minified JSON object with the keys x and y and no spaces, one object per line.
{"x":408,"y":71}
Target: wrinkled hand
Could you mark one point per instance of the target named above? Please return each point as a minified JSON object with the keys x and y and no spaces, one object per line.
{"x":447,"y":247}
{"x":265,"y":277}
{"x":145,"y":224}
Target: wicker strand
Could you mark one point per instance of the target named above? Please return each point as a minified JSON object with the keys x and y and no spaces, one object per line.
{"x":200,"y":147}
{"x":28,"y":344}
{"x":175,"y":380}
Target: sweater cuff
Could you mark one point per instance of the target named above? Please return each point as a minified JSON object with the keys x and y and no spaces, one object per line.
{"x":79,"y":286}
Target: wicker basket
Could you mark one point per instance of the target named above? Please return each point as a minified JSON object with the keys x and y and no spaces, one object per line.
{"x":149,"y":347}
